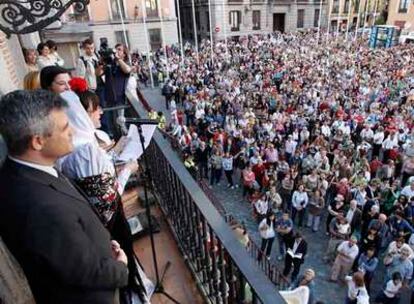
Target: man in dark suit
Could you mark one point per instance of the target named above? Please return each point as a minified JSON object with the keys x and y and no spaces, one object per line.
{"x":50,"y":228}
{"x":295,"y":254}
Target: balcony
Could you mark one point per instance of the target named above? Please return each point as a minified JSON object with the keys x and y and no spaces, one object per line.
{"x":223,"y":270}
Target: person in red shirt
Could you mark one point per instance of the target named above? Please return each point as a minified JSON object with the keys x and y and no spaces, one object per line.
{"x":375,"y":165}
{"x":259,"y":170}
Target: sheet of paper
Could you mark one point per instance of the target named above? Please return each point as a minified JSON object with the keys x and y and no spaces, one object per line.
{"x":133,"y":149}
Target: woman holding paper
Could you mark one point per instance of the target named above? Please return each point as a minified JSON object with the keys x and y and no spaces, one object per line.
{"x":93,"y":170}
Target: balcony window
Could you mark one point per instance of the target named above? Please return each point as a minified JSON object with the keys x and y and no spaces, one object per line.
{"x":356,"y":6}
{"x":151,"y":8}
{"x":208,"y":20}
{"x":120,"y":37}
{"x":155,"y":39}
{"x":346,"y":6}
{"x":335,"y":7}
{"x":235,"y":20}
{"x":256,"y":20}
{"x":403,"y":7}
{"x":301,"y":18}
{"x":117,"y":10}
{"x":316,"y":18}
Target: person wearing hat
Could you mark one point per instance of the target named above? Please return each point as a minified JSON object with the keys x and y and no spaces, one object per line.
{"x":347,"y":251}
{"x":306,"y":279}
{"x":55,"y":79}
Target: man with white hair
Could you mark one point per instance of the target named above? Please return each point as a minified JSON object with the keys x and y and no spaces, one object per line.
{"x":346,"y":253}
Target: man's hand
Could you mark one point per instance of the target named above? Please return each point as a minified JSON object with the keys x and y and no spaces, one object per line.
{"x":117,"y":253}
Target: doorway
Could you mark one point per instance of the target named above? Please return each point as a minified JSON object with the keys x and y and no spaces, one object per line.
{"x":279,"y":22}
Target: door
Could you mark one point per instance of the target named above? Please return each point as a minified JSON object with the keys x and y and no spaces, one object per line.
{"x":279,"y":22}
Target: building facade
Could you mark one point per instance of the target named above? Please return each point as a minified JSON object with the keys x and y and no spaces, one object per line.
{"x":346,"y":14}
{"x":401,"y":14}
{"x":243,"y":17}
{"x":117,"y":21}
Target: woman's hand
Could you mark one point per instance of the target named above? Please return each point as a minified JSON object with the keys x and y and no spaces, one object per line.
{"x":120,"y":145}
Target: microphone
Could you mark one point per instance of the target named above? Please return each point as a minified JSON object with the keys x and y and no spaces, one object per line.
{"x":120,"y":121}
{"x":115,"y":108}
{"x":140,"y":121}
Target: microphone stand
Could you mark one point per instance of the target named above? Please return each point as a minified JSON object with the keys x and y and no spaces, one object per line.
{"x":159,"y":287}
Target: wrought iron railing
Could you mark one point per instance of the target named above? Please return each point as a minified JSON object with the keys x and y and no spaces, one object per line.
{"x":223,"y":270}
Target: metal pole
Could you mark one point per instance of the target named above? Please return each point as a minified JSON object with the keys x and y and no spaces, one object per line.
{"x":320,"y":16}
{"x":329,"y":18}
{"x":144,"y":19}
{"x":375,"y":11}
{"x":163,"y":37}
{"x":180,"y":30}
{"x":121,"y":14}
{"x":348,"y":21}
{"x":195,"y":32}
{"x":358,"y":17}
{"x":365,"y":15}
{"x":338,"y":19}
{"x":211,"y":34}
{"x":225,"y":28}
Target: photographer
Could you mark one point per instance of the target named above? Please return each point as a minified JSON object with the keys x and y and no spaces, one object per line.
{"x":117,"y":73}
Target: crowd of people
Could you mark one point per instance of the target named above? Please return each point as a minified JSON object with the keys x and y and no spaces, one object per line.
{"x":318,"y":134}
{"x":309,"y":130}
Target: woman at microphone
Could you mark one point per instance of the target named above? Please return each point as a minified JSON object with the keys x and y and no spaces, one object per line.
{"x":93,"y":170}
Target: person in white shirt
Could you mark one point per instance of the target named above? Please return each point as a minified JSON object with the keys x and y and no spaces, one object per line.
{"x":408,"y":190}
{"x":347,"y":252}
{"x":395,"y":247}
{"x":390,"y":143}
{"x":88,"y":66}
{"x":357,"y":292}
{"x":326,"y":130}
{"x":261,"y":207}
{"x":300,"y":200}
{"x":377,"y":141}
{"x":391,"y":289}
{"x":267,"y":232}
{"x":367,"y":134}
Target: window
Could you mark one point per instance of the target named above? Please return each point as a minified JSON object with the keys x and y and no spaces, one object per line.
{"x":155,"y":39}
{"x":346,"y":6}
{"x":116,"y":14}
{"x":356,"y":6}
{"x":120,"y":37}
{"x":301,"y":18}
{"x":403,"y":7}
{"x":151,"y":8}
{"x":208,"y":20}
{"x":197,"y":18}
{"x":316,"y":18}
{"x":335,"y":7}
{"x":235,"y":20}
{"x":256,"y":20}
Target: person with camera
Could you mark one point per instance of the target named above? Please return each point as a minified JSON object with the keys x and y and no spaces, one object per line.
{"x":117,"y":72}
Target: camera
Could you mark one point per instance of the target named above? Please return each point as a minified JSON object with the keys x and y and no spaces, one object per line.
{"x":106,"y":53}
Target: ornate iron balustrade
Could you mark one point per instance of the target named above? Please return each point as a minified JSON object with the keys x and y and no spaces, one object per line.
{"x":28,"y":16}
{"x":223,"y":270}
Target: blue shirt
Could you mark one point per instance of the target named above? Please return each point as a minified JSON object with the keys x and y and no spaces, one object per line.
{"x":368,"y":265}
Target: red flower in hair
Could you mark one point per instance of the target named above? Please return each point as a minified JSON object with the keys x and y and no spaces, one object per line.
{"x":78,"y":85}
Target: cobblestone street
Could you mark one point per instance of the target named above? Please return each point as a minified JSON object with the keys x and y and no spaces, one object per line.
{"x":240,"y":209}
